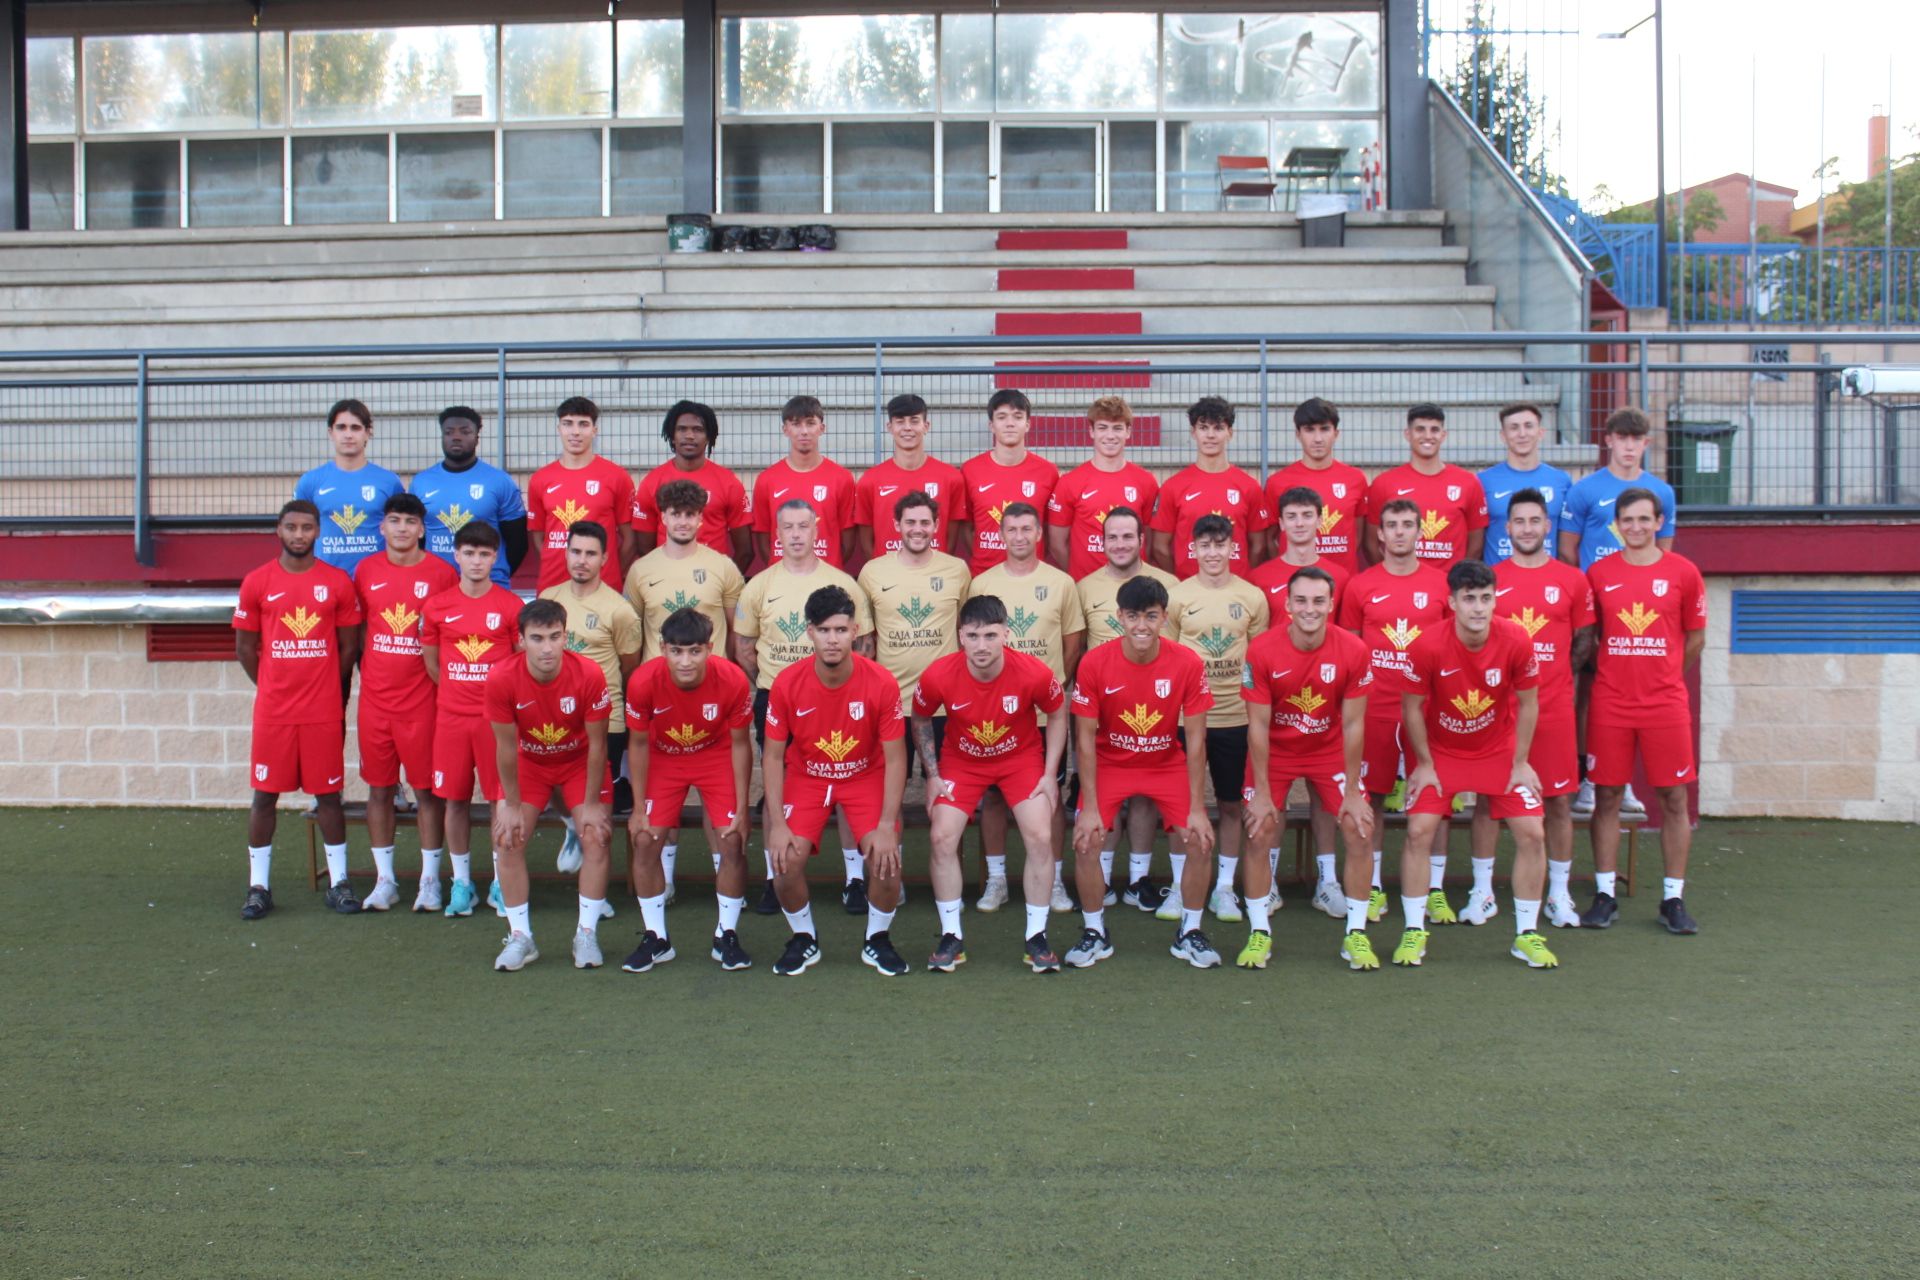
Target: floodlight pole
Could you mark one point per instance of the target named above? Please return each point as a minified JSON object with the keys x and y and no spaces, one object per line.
{"x":1660,"y":157}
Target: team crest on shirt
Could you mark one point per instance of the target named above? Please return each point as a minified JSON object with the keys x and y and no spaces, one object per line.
{"x":566,"y":706}
{"x":420,"y":591}
{"x":1162,"y":688}
{"x":1026,"y":488}
{"x":1327,"y":673}
{"x":1236,"y":612}
{"x":1233,"y":497}
{"x":1040,"y":593}
{"x":1010,"y":703}
{"x":1453,"y":493}
{"x":1133,"y":494}
{"x":936,"y":584}
{"x":1339,"y":488}
{"x":259,"y":773}
{"x":493,"y":622}
{"x":710,"y":710}
{"x":593,"y":622}
{"x":368,"y":493}
{"x":932,"y":488}
{"x":700,"y":577}
{"x":1419,"y":599}
{"x":1553,"y":595}
{"x":1659,"y":586}
{"x":1493,"y":677}
{"x":320,"y":593}
{"x":593,"y":487}
{"x":476,"y":491}
{"x":857,"y":710}
{"x":819,"y":493}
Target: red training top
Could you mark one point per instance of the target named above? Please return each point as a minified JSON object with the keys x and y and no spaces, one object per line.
{"x":298,"y":616}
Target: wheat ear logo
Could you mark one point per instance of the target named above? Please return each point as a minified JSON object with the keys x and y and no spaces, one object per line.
{"x":399,"y":618}
{"x":1216,"y":642}
{"x":300,"y":621}
{"x":549,"y":735}
{"x":1531,"y":621}
{"x":473,"y":648}
{"x":1639,"y":618}
{"x":986,"y":733}
{"x":1473,"y":705}
{"x":1400,"y":635}
{"x":686,"y":736}
{"x":1433,"y":524}
{"x":791,"y":626}
{"x":1307,"y":701}
{"x":455,"y":517}
{"x":836,"y":746}
{"x":915,"y":613}
{"x":349,"y":518}
{"x":1141,"y":720}
{"x":569,"y":512}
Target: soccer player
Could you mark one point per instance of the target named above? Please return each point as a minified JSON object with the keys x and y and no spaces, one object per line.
{"x":464,"y":631}
{"x":1553,"y":602}
{"x":1470,"y":701}
{"x":308,"y":614}
{"x":549,"y":707}
{"x":682,"y":572}
{"x":805,"y":475}
{"x":1310,"y":682}
{"x":1342,"y":488}
{"x":1215,"y":614}
{"x":1389,"y":606}
{"x":991,"y":696}
{"x":602,"y":625}
{"x":1002,"y":476}
{"x":579,"y":485}
{"x":1453,"y":519}
{"x":347,"y":489}
{"x":689,"y":710}
{"x":1521,"y":469}
{"x":1301,"y":512}
{"x":691,"y":429}
{"x":911,"y":469}
{"x":1123,"y":536}
{"x":396,"y":695}
{"x":834,"y":733}
{"x":1077,"y":512}
{"x":460,"y":487}
{"x":1653,"y":617}
{"x":1129,"y":700}
{"x":1211,"y":486}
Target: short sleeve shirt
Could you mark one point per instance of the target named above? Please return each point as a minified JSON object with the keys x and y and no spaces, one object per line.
{"x":559,"y":497}
{"x":881,"y":486}
{"x":835,"y":735}
{"x":1549,"y":603}
{"x":1472,"y":694}
{"x":470,"y":635}
{"x":1273,"y":577}
{"x":1301,"y":692}
{"x":604,"y":627}
{"x":1343,"y":501}
{"x":1043,"y":609}
{"x":1500,"y":483}
{"x":1390,"y":613}
{"x":393,"y":672}
{"x":1080,"y":504}
{"x":773,"y":614}
{"x":454,"y":499}
{"x":298,"y":616}
{"x":727,"y":506}
{"x":550,"y":718}
{"x":916,"y":612}
{"x":828,"y":489}
{"x":988,"y":722}
{"x":1194,"y":493}
{"x":1645,"y":613}
{"x":992,"y":487}
{"x":689,"y":722}
{"x":1099,"y":599}
{"x":1451,"y":507}
{"x":1137,"y":706}
{"x":352,"y":504}
{"x":1217,"y":623}
{"x":1589,"y":511}
{"x":658,"y":585}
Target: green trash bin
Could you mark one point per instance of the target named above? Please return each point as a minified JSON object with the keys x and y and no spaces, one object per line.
{"x":1700,"y":462}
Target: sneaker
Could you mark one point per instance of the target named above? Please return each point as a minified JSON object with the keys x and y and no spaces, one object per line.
{"x":1144,"y":894}
{"x":385,"y":897}
{"x":1061,"y":902}
{"x":1193,"y":947}
{"x":1481,"y":907}
{"x":340,"y":898}
{"x":259,"y":902}
{"x":622,"y":796}
{"x":461,"y":898}
{"x":1357,"y":951}
{"x":949,"y":954}
{"x":567,"y":861}
{"x":1330,"y":898}
{"x":1561,"y":913}
{"x":1376,"y":905}
{"x":606,"y":908}
{"x":1532,"y":948}
{"x":517,"y":954}
{"x":586,"y":950}
{"x":1439,"y":910}
{"x":1583,"y":799}
{"x":728,"y":951}
{"x":495,"y":900}
{"x":1110,"y":898}
{"x":1258,"y":950}
{"x":1092,"y":947}
{"x":880,"y":956}
{"x":1274,"y":902}
{"x":1226,"y":906}
{"x":1674,"y":914}
{"x":672,"y":893}
{"x":1412,"y":949}
{"x":993,"y":896}
{"x":428,"y":898}
{"x":802,"y":953}
{"x":853,"y":897}
{"x":1396,"y":800}
{"x":1601,"y":914}
{"x":769,"y":904}
{"x":1040,"y":956}
{"x":1170,"y":905}
{"x":646,"y":954}
{"x":662,"y":948}
{"x":1631,"y":806}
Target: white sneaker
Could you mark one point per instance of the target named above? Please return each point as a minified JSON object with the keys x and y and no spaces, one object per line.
{"x":1061,"y":902}
{"x":586,"y":950}
{"x":517,"y":954}
{"x":606,"y":908}
{"x":993,"y":896}
{"x":428,"y":899}
{"x":1561,"y":913}
{"x":1481,"y":907}
{"x":1226,"y":906}
{"x":1274,"y":902}
{"x":1583,"y":801}
{"x":671,"y":895}
{"x":1170,"y":905}
{"x":385,"y":897}
{"x":1631,"y":805}
{"x":1110,"y":898}
{"x":568,"y":860}
{"x":1330,"y":898}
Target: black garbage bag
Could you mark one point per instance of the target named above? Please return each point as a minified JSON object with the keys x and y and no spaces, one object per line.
{"x":736,"y":239}
{"x":815,"y":237}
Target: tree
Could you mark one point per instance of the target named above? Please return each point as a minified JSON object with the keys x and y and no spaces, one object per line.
{"x":1856,"y":215}
{"x":1500,"y":98}
{"x":1703,"y":209}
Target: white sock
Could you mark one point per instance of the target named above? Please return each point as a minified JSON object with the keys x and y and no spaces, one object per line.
{"x":949,"y":916}
{"x":1437,"y":865}
{"x":1138,"y":864}
{"x":730,"y":909}
{"x":519,"y":920}
{"x":462,"y":867}
{"x":383,"y":862}
{"x":1059,"y":881}
{"x":1603,"y":882}
{"x":1227,"y":866}
{"x":590,"y":912}
{"x":1356,"y":915}
{"x":997,"y":867}
{"x":429,"y":864}
{"x":1558,"y":873}
{"x":1483,"y":875}
{"x":1273,"y":862}
{"x":1189,"y":920}
{"x":1096,"y":921}
{"x":878,"y":921}
{"x":1672,"y":888}
{"x":567,"y":821}
{"x":336,"y":863}
{"x":768,"y":856}
{"x":653,"y":915}
{"x":667,"y":854}
{"x":496,"y":864}
{"x":1106,"y":866}
{"x":1257,"y":914}
{"x":1526,"y":915}
{"x":1179,"y":861}
{"x":856,"y":863}
{"x":801,"y":921}
{"x":1324,"y":861}
{"x":260,"y":865}
{"x":1416,"y":912}
{"x":1036,"y":919}
{"x":1376,"y":868}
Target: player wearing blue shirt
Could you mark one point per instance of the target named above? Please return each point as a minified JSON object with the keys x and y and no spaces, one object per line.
{"x":461,"y":488}
{"x":1587,"y":531}
{"x":1521,"y":431}
{"x":350,"y":491}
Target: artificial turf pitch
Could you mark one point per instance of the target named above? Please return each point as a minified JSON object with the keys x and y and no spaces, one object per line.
{"x":190,"y":1095}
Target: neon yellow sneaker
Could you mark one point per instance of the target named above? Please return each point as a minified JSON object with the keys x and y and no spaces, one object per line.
{"x":1259,"y":947}
{"x":1376,"y":905}
{"x":1439,"y":910}
{"x":1396,"y":800}
{"x":1412,"y":949}
{"x":1357,"y":951}
{"x":1532,"y":948}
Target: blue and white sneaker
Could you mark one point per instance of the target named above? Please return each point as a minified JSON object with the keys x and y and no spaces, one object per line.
{"x":494,"y":900}
{"x":570,"y":855}
{"x":461,"y":899}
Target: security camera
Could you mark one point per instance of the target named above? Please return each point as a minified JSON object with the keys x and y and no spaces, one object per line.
{"x":1881,"y":380}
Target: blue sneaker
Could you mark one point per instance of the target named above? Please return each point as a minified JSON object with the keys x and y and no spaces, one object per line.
{"x":494,"y":900}
{"x":460,"y":902}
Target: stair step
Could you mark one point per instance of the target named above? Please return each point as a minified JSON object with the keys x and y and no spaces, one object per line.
{"x":1065,"y":431}
{"x":1061,"y":381}
{"x":1058,"y":323}
{"x":1020,"y":279}
{"x":1063,"y":239}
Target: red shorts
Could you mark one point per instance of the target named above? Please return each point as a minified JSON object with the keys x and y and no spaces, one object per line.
{"x":808,"y":804}
{"x":1487,"y":778}
{"x":669,"y":778}
{"x":1327,"y":779}
{"x":1666,"y":749}
{"x":538,"y":782}
{"x":1380,"y":758}
{"x":461,"y":747}
{"x":299,"y":757}
{"x":389,"y":744}
{"x":1166,"y":786}
{"x":1016,"y":777}
{"x":1555,"y":755}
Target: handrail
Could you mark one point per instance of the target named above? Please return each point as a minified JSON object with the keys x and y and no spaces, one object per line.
{"x":1575,"y":257}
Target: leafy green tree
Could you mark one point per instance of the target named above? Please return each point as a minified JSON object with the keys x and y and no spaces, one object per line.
{"x":1500,"y":98}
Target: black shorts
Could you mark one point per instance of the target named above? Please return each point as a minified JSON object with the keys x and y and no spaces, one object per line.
{"x":913,"y":748}
{"x":761,"y":697}
{"x":1227,"y":762}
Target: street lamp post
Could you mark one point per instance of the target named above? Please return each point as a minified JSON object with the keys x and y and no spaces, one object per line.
{"x":1659,"y":144}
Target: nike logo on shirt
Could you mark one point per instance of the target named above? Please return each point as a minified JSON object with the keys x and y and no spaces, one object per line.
{"x":1378,"y":599}
{"x":660,"y":711}
{"x":1503,"y":493}
{"x":886,"y":489}
{"x":521,"y":706}
{"x":334,"y":782}
{"x":552,"y":487}
{"x":324,"y":492}
{"x":1279,"y":674}
{"x":779,"y":493}
{"x":884,"y":590}
{"x":1115,"y":689}
{"x":377,"y":586}
{"x":1614,"y":586}
{"x":1403,"y":492}
{"x":804,"y":711}
{"x":1503,"y":591}
{"x":453,"y":617}
{"x":1190,"y":497}
{"x":1448,"y":671}
{"x":1089,"y":494}
{"x":982,"y":488}
{"x":430,"y":495}
{"x":959,"y":706}
{"x":1606,"y":503}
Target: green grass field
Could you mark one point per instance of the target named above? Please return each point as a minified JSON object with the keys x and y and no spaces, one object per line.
{"x":188,"y":1095}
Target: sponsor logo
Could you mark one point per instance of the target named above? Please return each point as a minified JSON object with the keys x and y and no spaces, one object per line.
{"x":1215,"y":642}
{"x":1400,"y":635}
{"x":1448,"y":671}
{"x":300,"y":621}
{"x":1604,"y":503}
{"x":1021,"y":621}
{"x":549,"y":735}
{"x":1378,"y":599}
{"x":1307,"y":700}
{"x":1141,"y":719}
{"x":455,"y":517}
{"x":275,"y":596}
{"x":913,"y":613}
{"x":473,"y":648}
{"x":521,"y":706}
{"x":1504,"y":492}
{"x":1433,"y":524}
{"x":1612,"y":586}
{"x":400,"y":619}
{"x":677,"y":601}
{"x":1473,"y":704}
{"x":836,"y":746}
{"x":569,"y":513}
{"x":982,"y":488}
{"x":552,"y":487}
{"x":1403,"y":492}
{"x":686,"y":737}
{"x":987,"y":733}
{"x":779,"y":493}
{"x":804,"y":711}
{"x":324,"y":492}
{"x":792,"y":626}
{"x":1531,"y":621}
{"x":886,"y":489}
{"x":1638,"y":619}
{"x":1328,"y":519}
{"x":1190,"y":497}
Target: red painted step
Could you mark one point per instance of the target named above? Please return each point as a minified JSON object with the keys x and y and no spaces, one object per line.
{"x":1051,"y":381}
{"x":1062,"y":240}
{"x":1065,"y":323}
{"x":1064,"y":431}
{"x":1024,"y":279}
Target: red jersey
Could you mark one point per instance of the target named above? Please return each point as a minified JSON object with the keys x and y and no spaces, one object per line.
{"x":393,"y":674}
{"x":835,"y":735}
{"x":991,"y":720}
{"x":1080,"y":504}
{"x":1390,"y":613}
{"x":298,"y":616}
{"x":1471,"y":693}
{"x":1137,"y":706}
{"x":884,"y":484}
{"x":472,"y":635}
{"x":991,"y":489}
{"x":1271,"y":576}
{"x":1194,"y":493}
{"x":551,"y":719}
{"x":1304,"y":690}
{"x":727,"y":506}
{"x":828,"y":489}
{"x":1343,"y":499}
{"x":1645,"y":614}
{"x":1549,"y":603}
{"x":1451,"y":503}
{"x":686,"y":722}
{"x":559,"y":496}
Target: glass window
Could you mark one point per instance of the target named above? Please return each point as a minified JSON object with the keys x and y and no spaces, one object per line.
{"x":771,"y":168}
{"x":1130,"y":172}
{"x":847,"y":63}
{"x":50,"y":88}
{"x":1048,"y":168}
{"x":273,"y":79}
{"x":883,"y":168}
{"x":1077,"y":61}
{"x":141,"y":84}
{"x":652,"y":68}
{"x":557,"y":70}
{"x":647,"y":171}
{"x":235,"y":183}
{"x":1350,"y":137}
{"x":394,"y":75}
{"x":1289,"y":60}
{"x":552,"y":173}
{"x":444,"y":177}
{"x":1194,"y":148}
{"x":963,"y":174}
{"x":966,"y":62}
{"x":50,"y":174}
{"x":340,"y":179}
{"x":133,"y":184}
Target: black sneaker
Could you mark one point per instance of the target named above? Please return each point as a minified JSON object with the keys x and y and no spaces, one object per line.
{"x":728,"y":951}
{"x":1093,"y":947}
{"x":769,"y":904}
{"x":949,"y":954}
{"x":1144,"y":894}
{"x":880,"y":955}
{"x":259,"y":902}
{"x":1602,"y":913}
{"x":1040,"y":956}
{"x":662,"y":948}
{"x":642,"y":958}
{"x":1674,"y":914}
{"x":853,"y":898}
{"x":802,"y":953}
{"x":340,"y":898}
